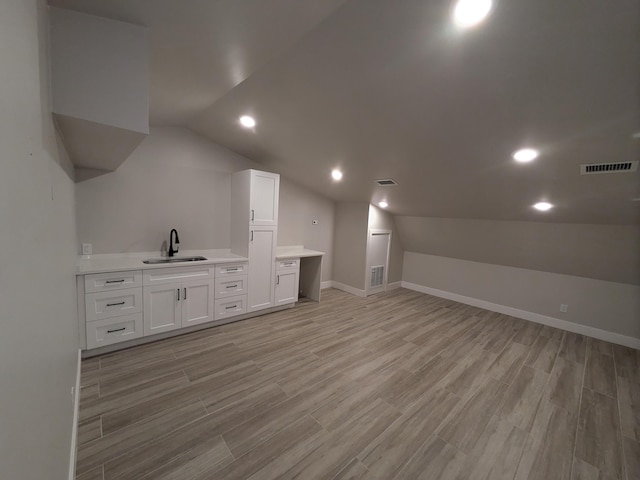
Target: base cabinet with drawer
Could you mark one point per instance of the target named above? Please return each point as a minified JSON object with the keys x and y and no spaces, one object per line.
{"x":287,"y":280}
{"x":112,"y":307}
{"x":230,"y":290}
{"x":177,"y":298}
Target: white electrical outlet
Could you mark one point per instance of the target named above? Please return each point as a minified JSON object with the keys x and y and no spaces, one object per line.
{"x":87,"y":249}
{"x":314,"y":222}
{"x":564,"y":307}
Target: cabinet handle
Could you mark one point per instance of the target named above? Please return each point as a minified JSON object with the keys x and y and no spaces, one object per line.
{"x":278,"y":280}
{"x":178,"y":294}
{"x":253,"y":215}
{"x":252,"y":235}
{"x":230,"y":307}
{"x":115,"y":281}
{"x":116,"y":330}
{"x":288,"y":263}
{"x":185,"y":293}
{"x":235,"y":269}
{"x":114,"y":304}
{"x":232,"y":286}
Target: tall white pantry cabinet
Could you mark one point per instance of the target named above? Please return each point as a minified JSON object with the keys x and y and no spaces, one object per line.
{"x":254,"y":231}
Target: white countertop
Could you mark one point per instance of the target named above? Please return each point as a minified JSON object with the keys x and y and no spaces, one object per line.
{"x":114,"y":262}
{"x":296,"y":251}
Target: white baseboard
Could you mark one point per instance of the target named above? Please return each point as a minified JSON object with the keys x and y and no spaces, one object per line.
{"x":348,"y":289}
{"x":327,"y":284}
{"x":531,"y":316}
{"x":76,"y":413}
{"x":394,"y":285}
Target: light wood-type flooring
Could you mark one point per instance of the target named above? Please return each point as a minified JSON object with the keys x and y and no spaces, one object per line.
{"x":400,"y":385}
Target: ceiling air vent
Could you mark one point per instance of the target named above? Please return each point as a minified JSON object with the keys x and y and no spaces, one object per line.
{"x":617,"y":167}
{"x":385,"y":182}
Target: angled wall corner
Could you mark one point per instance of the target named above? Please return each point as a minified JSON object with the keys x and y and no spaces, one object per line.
{"x":100,"y":88}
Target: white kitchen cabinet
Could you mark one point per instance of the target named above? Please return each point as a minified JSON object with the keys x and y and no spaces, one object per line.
{"x":230,"y":307}
{"x":162,"y":308}
{"x":262,"y":251}
{"x":287,"y":280}
{"x":264,"y":197}
{"x":177,"y":297}
{"x":113,"y":330}
{"x":254,"y":232}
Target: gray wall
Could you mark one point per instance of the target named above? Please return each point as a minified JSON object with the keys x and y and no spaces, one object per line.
{"x":39,"y":340}
{"x":604,"y":252}
{"x":298,"y":208}
{"x":614,"y":307}
{"x":179,"y":179}
{"x":114,"y":90}
{"x":350,"y":244}
{"x":379,"y":218}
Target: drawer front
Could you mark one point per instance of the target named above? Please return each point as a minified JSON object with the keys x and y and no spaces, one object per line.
{"x":230,"y":307}
{"x":114,"y":330}
{"x":113,"y":304}
{"x":231,"y":286}
{"x":287,"y":265}
{"x":176,"y":274}
{"x":232,"y":269}
{"x":102,"y":282}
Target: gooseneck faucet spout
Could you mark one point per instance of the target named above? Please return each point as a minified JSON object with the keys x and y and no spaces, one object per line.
{"x":173,"y":247}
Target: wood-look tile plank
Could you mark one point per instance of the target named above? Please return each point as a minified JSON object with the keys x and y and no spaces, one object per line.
{"x":545,"y":349}
{"x":201,"y":434}
{"x":629,"y":401}
{"x":565,"y":385}
{"x":497,"y":452}
{"x":583,"y":471}
{"x":600,"y":373}
{"x":256,"y":430}
{"x":389,"y":452}
{"x":627,"y":362}
{"x":198,"y":463}
{"x":295,"y":439}
{"x":110,"y":447}
{"x":346,"y":442}
{"x":89,"y":430}
{"x":435,"y":459}
{"x":574,"y":347}
{"x":466,"y":423}
{"x":632,"y":458}
{"x":548,"y":452}
{"x":528,"y":334}
{"x":599,"y":346}
{"x":521,"y":400}
{"x":508,"y":362}
{"x":353,"y":471}
{"x":599,"y":441}
{"x":93,"y":474}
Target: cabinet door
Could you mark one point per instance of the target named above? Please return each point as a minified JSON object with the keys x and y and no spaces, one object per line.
{"x":197,"y":302}
{"x":264,"y":195}
{"x":286,"y":287}
{"x":262,"y":246}
{"x":162,"y":308}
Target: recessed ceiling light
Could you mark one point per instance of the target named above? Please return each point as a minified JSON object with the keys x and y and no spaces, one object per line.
{"x":383,"y":204}
{"x":336,"y":174}
{"x":467,"y":13}
{"x":247,"y":121}
{"x":543,"y":206}
{"x":525,"y":155}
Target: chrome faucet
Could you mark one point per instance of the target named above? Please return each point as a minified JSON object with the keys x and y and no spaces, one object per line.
{"x":173,"y":250}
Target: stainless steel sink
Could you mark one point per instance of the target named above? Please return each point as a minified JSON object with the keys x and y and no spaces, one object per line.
{"x":154,"y":261}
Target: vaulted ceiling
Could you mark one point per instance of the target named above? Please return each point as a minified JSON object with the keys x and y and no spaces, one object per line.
{"x":391,"y":88}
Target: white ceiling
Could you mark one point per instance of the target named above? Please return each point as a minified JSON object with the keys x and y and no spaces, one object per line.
{"x":390,"y":88}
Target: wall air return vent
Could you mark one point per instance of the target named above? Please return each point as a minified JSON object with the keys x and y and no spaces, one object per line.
{"x":617,"y":167}
{"x":385,"y":182}
{"x":377,"y":276}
